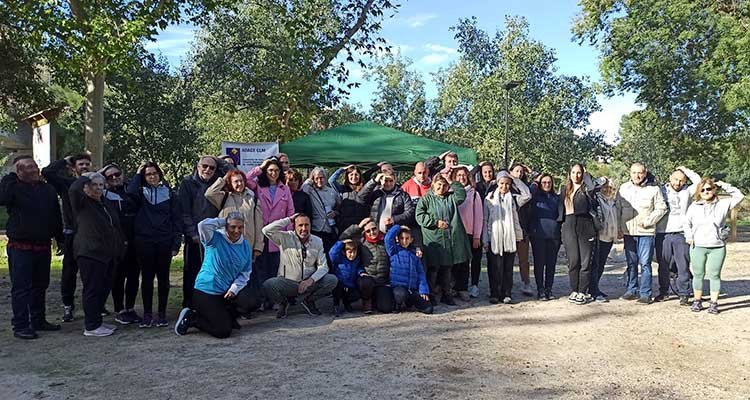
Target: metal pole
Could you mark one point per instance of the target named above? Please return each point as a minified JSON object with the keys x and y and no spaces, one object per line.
{"x":507,"y":116}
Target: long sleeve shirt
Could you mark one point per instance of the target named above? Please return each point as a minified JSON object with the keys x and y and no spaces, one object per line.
{"x":297,"y":261}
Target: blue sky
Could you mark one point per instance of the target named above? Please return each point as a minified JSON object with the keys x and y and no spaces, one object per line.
{"x":421,"y":32}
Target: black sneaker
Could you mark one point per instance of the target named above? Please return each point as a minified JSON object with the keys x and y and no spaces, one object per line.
{"x":684,"y":301}
{"x":697,"y":306}
{"x":282,"y":312}
{"x":124,"y":318}
{"x":645,"y":300}
{"x":46,"y":326}
{"x":68,"y":313}
{"x":713,"y":307}
{"x":548,"y":295}
{"x":629,"y":296}
{"x":184,"y":322}
{"x":661,"y":297}
{"x":494,"y":300}
{"x":310,"y":307}
{"x":540,"y":295}
{"x":26,"y":334}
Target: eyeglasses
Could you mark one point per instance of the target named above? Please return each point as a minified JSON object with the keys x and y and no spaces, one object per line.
{"x":206,"y":166}
{"x":708,"y":189}
{"x":113,"y":176}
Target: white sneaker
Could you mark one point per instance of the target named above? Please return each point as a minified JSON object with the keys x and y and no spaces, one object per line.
{"x":101,"y":331}
{"x":474,"y":291}
{"x":572,"y":297}
{"x":526,"y":290}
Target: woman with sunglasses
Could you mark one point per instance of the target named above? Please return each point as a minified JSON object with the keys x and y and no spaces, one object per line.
{"x":706,"y":233}
{"x":544,"y":232}
{"x":156,"y":232}
{"x":125,"y":282}
{"x":275,"y":202}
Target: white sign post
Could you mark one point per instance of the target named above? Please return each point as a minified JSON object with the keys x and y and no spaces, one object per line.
{"x":41,"y":144}
{"x":249,"y":155}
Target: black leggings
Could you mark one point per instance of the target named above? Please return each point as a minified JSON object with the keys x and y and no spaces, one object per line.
{"x":476,"y":262}
{"x":381,"y":294}
{"x":125,"y":283}
{"x":215,"y":314}
{"x":155,"y":259}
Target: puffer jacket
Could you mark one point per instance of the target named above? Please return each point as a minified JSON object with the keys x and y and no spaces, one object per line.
{"x":705,"y":221}
{"x":639,"y":208}
{"x":374,"y":257}
{"x":402,"y":209}
{"x":406,"y":267}
{"x":346,"y":270}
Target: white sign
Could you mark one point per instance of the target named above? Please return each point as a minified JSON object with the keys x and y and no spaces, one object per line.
{"x":41,"y":144}
{"x":249,"y":155}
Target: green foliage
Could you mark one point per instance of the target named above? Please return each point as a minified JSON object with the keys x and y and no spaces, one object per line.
{"x":273,"y":65}
{"x":148,"y":114}
{"x":687,"y":59}
{"x":548,"y":112}
{"x":400,"y":101}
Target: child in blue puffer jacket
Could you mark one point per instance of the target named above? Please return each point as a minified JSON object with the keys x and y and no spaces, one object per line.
{"x":408,"y":279}
{"x":347,"y":266}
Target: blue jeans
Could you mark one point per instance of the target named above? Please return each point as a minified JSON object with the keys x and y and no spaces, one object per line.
{"x":639,"y":250}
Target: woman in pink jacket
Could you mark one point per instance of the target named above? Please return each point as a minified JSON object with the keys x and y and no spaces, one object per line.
{"x":471,"y":212}
{"x":275,"y":202}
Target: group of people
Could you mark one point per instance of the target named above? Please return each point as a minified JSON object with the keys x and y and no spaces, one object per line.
{"x":272,"y":238}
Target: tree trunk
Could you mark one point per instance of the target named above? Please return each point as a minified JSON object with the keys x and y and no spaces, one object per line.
{"x":94,"y":117}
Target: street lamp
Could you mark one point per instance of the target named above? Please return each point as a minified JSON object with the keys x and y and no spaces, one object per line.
{"x":508,"y":87}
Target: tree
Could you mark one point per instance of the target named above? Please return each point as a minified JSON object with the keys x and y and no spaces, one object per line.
{"x":400,"y":101}
{"x":275,"y":64}
{"x":150,"y":119}
{"x":548,"y":112}
{"x":87,"y":40}
{"x":686,"y":59}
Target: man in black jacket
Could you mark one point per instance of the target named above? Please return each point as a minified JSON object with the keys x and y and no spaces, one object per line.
{"x":61,"y":174}
{"x":33,"y":220}
{"x":195,"y":208}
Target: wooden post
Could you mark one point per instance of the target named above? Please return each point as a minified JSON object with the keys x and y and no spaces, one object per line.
{"x":733,"y":226}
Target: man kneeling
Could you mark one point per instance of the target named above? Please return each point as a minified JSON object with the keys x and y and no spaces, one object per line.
{"x":221,"y":292}
{"x":303,"y":269}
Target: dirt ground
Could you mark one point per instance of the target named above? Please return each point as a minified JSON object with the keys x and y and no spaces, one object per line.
{"x":532,"y":349}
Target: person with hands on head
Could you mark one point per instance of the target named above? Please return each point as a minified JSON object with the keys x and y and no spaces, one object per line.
{"x":419,"y":184}
{"x":195,"y":208}
{"x":326,"y":203}
{"x":127,"y":272}
{"x":61,"y":174}
{"x":352,"y":208}
{"x":640,"y":205}
{"x":672,"y":251}
{"x":33,"y":220}
{"x":276,"y":202}
{"x":408,"y":279}
{"x":303,"y":269}
{"x":485,"y":183}
{"x":221,"y":291}
{"x":606,"y":235}
{"x":522,"y":172}
{"x":502,"y":232}
{"x":443,"y":235}
{"x":374,"y":282}
{"x":472,"y":216}
{"x":99,"y":245}
{"x":157,"y":237}
{"x":229,"y":194}
{"x":302,"y":202}
{"x":706,"y":232}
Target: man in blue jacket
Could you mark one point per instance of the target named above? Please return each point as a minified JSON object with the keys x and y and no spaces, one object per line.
{"x":221,"y":292}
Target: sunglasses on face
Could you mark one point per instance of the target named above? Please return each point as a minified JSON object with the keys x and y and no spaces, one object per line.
{"x":707,"y":190}
{"x":113,"y":176}
{"x":210,"y":167}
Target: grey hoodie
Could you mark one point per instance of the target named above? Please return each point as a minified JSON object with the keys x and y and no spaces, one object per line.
{"x":705,"y":220}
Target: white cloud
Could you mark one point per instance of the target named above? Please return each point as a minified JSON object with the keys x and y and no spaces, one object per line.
{"x":436,"y":48}
{"x":613,"y":109}
{"x":174,"y":41}
{"x":419,"y":20}
{"x":435,"y":59}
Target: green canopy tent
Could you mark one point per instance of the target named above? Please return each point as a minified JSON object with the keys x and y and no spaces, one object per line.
{"x":367,"y":143}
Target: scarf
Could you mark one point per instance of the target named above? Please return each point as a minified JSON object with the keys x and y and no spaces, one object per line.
{"x":507,"y":222}
{"x":377,"y":240}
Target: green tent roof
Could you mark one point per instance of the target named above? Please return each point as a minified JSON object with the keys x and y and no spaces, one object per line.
{"x":367,"y":143}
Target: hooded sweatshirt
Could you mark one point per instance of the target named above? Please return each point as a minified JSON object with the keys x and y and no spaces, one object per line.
{"x":705,"y":221}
